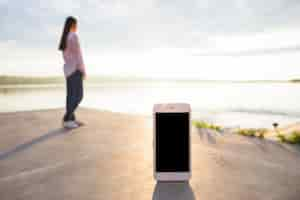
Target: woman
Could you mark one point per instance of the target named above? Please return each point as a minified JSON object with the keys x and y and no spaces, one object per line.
{"x":74,"y":71}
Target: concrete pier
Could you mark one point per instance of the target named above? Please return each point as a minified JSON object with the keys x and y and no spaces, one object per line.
{"x":111,"y":157}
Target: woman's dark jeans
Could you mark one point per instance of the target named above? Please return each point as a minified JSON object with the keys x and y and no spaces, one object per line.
{"x":74,"y":94}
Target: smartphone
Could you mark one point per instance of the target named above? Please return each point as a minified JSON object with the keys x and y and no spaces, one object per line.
{"x":172,"y":142}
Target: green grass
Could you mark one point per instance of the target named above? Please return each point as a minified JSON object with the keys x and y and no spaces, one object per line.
{"x":203,"y":124}
{"x":251,"y":132}
{"x":281,"y":137}
{"x":293,"y":138}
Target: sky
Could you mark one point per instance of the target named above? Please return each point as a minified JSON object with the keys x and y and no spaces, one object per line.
{"x":190,"y":39}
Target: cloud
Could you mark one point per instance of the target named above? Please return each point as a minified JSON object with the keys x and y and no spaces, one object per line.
{"x":143,"y":23}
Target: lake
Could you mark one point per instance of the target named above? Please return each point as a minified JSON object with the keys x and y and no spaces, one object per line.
{"x":228,"y":104}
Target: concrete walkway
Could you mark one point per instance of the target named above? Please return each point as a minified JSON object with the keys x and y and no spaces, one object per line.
{"x":111,"y":158}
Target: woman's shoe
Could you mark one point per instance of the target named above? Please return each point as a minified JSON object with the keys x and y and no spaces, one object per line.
{"x":79,"y":123}
{"x":70,"y":124}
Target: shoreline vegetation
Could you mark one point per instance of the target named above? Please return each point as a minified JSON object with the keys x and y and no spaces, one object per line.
{"x":24,"y":80}
{"x":289,"y":135}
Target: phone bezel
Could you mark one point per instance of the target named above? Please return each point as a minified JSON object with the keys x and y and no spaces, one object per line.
{"x":171,"y":108}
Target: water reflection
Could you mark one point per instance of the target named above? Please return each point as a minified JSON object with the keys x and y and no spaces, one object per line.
{"x":255,"y":105}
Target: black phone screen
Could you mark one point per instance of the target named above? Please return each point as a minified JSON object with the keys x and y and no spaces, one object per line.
{"x":172,"y":142}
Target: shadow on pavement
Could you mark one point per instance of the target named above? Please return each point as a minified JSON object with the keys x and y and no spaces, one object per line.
{"x":27,"y":145}
{"x":173,"y":191}
{"x":270,"y":145}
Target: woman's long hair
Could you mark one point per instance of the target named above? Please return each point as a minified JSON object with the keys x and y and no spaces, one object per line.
{"x":70,"y":21}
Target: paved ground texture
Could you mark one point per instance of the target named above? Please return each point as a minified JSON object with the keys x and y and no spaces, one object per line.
{"x":112,"y":158}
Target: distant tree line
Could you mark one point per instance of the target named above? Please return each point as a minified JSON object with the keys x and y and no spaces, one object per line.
{"x":295,"y":80}
{"x":8,"y":80}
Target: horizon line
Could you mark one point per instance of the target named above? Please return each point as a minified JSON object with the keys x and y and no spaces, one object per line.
{"x":145,"y":78}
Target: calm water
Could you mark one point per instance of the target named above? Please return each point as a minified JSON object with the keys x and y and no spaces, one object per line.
{"x":229,"y":104}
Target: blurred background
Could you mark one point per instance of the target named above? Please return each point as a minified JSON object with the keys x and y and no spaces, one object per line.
{"x":236,"y":61}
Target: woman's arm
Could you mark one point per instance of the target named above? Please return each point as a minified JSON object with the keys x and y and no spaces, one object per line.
{"x":75,"y":46}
